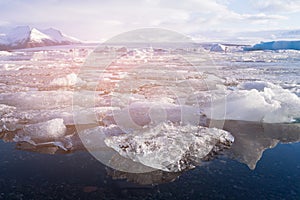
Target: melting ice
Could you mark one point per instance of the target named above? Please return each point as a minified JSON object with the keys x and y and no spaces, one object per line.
{"x":171,"y":148}
{"x":151,"y":106}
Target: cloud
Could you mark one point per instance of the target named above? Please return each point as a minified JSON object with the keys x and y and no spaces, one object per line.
{"x":108,"y":17}
{"x":262,"y":18}
{"x":277,"y":5}
{"x":98,"y":19}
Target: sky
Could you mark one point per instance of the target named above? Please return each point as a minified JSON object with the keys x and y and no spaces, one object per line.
{"x":98,"y":20}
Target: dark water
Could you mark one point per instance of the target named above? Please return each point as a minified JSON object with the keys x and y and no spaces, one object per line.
{"x":30,"y":175}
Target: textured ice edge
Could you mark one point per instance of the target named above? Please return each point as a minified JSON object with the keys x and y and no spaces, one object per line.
{"x":171,"y":148}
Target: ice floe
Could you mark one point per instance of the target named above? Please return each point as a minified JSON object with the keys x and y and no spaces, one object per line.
{"x":44,"y":131}
{"x":169,"y":147}
{"x":260,"y":102}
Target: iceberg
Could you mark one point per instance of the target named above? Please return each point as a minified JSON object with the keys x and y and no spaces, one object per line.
{"x":275,"y":45}
{"x":258,"y":101}
{"x":218,"y":48}
{"x":170,"y":147}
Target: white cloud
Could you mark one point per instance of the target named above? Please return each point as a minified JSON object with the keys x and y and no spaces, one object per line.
{"x":262,"y":18}
{"x":277,"y":5}
{"x":94,"y":20}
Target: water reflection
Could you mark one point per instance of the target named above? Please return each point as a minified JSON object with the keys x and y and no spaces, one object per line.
{"x":251,"y":140}
{"x":149,"y":178}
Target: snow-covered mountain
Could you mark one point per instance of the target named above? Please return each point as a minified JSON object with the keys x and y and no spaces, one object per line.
{"x":27,"y":37}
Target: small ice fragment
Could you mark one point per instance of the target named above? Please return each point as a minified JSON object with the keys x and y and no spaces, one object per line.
{"x":69,"y":80}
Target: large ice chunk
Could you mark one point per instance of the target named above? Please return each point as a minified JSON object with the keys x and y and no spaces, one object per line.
{"x":169,"y":147}
{"x":258,"y":101}
{"x":44,"y":131}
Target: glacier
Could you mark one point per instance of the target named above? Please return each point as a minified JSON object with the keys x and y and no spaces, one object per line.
{"x":275,"y":45}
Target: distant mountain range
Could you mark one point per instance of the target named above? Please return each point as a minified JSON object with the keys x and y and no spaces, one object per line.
{"x":27,"y":37}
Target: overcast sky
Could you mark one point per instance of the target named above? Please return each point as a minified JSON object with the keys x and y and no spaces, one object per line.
{"x":99,"y":19}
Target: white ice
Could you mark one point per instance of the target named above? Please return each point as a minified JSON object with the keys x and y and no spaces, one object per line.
{"x":275,"y":45}
{"x":44,"y":131}
{"x":218,"y":48}
{"x":143,"y":113}
{"x":170,"y":147}
{"x":68,"y":80}
{"x":257,"y":101}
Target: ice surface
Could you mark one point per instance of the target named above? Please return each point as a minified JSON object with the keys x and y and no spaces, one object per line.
{"x":260,"y":102}
{"x":257,"y":85}
{"x":5,"y":53}
{"x":93,"y":138}
{"x":69,"y":80}
{"x":8,"y":119}
{"x":275,"y":45}
{"x":37,"y":99}
{"x":5,"y":109}
{"x":139,"y":114}
{"x":146,"y":97}
{"x":171,"y":148}
{"x":93,"y":141}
